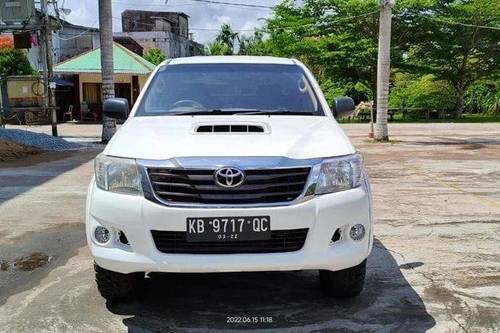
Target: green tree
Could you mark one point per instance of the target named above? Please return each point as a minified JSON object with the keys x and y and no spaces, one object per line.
{"x":446,"y":39}
{"x":422,"y":92}
{"x":252,"y":45}
{"x":154,"y":56}
{"x":216,"y":48}
{"x":337,"y":39}
{"x":227,"y":37}
{"x":14,"y":62}
{"x":358,"y":91}
{"x":483,"y":97}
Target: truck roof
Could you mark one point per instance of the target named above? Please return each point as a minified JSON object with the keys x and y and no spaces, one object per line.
{"x":232,"y":60}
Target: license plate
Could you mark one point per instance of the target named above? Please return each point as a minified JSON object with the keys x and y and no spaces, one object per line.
{"x":228,"y":229}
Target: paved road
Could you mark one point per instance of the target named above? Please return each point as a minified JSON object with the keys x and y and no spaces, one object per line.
{"x":435,"y":265}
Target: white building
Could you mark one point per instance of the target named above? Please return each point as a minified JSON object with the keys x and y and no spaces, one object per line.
{"x":167,"y":31}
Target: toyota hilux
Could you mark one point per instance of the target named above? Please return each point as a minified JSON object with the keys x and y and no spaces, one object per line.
{"x":229,"y":164}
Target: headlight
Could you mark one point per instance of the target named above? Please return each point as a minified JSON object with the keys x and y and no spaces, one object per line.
{"x":118,"y":175}
{"x":339,"y":174}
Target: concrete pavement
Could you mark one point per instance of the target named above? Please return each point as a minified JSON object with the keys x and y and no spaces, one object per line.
{"x":435,"y":265}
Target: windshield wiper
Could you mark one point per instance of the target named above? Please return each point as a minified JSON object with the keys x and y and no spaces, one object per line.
{"x":194,"y":112}
{"x":211,"y":112}
{"x":276,"y":112}
{"x":240,"y":111}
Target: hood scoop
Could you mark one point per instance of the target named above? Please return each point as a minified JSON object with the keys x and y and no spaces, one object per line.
{"x":231,"y":128}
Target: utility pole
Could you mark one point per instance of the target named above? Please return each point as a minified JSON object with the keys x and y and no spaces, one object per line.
{"x":108,"y":87}
{"x":48,"y":66}
{"x":2,"y":125}
{"x":383,"y":69}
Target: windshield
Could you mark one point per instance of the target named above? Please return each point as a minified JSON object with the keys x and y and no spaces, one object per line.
{"x":229,"y":88}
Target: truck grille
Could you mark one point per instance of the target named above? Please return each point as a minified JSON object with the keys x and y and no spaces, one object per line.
{"x":280,"y":241}
{"x":198,"y":186}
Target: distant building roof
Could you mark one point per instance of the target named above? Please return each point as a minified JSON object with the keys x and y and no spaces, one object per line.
{"x":76,"y":26}
{"x":152,"y":12}
{"x":125,"y":62}
{"x":69,"y":24}
{"x":129,"y":43}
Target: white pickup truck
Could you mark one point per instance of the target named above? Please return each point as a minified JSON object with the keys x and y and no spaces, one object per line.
{"x":229,"y":164}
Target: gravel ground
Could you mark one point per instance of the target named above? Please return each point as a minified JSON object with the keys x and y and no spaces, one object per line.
{"x":38,"y":140}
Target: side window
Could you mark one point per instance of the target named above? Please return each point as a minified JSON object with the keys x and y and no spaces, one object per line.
{"x":157,"y":94}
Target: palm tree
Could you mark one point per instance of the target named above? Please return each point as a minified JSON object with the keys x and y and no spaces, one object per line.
{"x":227,"y":36}
{"x":217,"y":48}
{"x":383,"y":70}
{"x":108,"y":87}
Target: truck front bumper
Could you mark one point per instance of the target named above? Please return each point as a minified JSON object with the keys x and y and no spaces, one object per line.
{"x":136,"y":217}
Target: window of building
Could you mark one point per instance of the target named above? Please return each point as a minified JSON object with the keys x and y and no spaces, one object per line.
{"x":92,"y":93}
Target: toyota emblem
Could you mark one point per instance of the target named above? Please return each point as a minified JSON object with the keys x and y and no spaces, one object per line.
{"x":229,"y":177}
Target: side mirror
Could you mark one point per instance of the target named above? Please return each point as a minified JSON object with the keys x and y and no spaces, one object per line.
{"x":343,"y":107}
{"x":116,"y":108}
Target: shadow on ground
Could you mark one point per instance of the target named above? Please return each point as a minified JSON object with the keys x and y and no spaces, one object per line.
{"x":42,"y":250}
{"x":445,"y":141}
{"x":293,"y":301}
{"x":20,"y":176}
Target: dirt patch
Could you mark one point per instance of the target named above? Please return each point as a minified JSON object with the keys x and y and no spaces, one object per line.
{"x":10,"y":150}
{"x":31,"y":262}
{"x":4,"y":265}
{"x":33,"y":255}
{"x":43,"y":157}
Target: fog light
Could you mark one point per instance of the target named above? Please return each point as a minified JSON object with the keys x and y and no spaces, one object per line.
{"x":357,"y":232}
{"x":101,"y":234}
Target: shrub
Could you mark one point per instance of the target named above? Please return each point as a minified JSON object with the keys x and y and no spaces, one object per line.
{"x":154,"y":56}
{"x":14,"y":62}
{"x":218,"y":48}
{"x":423,"y":92}
{"x":483,"y":97}
{"x":358,"y":92}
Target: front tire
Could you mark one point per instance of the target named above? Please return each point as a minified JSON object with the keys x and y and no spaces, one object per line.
{"x":114,"y":286}
{"x":345,"y":283}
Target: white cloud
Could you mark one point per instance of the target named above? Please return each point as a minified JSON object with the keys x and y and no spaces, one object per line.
{"x":202,"y":15}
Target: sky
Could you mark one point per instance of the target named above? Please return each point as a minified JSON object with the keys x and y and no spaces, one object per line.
{"x":202,"y":15}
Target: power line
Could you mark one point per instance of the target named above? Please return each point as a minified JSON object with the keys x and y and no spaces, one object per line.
{"x":437,"y":19}
{"x":200,"y":2}
{"x":234,"y":4}
{"x":196,"y":29}
{"x":336,"y":20}
{"x":157,"y":4}
{"x":215,"y":29}
{"x":340,"y":19}
{"x":73,"y":37}
{"x":464,"y":24}
{"x":76,"y":36}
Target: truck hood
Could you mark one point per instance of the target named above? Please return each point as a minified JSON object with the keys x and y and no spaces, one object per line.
{"x":297,"y":137}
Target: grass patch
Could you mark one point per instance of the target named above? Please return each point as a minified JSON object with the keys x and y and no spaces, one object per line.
{"x":467,"y":118}
{"x":4,"y":265}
